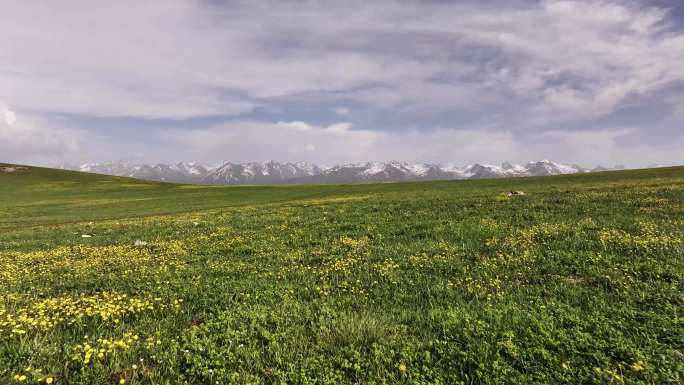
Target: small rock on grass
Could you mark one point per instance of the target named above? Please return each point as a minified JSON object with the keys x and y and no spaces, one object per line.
{"x":515,"y":193}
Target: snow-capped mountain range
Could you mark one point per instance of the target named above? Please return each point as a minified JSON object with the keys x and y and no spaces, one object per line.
{"x":302,"y":172}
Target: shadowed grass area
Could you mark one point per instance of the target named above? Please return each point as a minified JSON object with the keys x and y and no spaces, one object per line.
{"x":581,"y":280}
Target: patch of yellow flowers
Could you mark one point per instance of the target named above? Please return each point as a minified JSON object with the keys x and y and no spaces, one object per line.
{"x":531,"y":236}
{"x":649,"y":239}
{"x":86,"y":353}
{"x":48,"y":313}
{"x":387,"y":267}
{"x":34,"y":375}
{"x":83,"y":260}
{"x":354,"y":244}
{"x":355,"y":249}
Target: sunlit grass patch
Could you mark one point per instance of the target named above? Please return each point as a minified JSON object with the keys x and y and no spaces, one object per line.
{"x":347,"y":199}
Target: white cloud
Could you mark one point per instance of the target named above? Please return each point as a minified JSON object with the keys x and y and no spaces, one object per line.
{"x":296,"y":125}
{"x":7,"y":116}
{"x":342,"y":111}
{"x":285,"y":141}
{"x":30,"y":141}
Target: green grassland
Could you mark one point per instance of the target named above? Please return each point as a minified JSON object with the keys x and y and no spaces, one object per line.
{"x":580,"y":281}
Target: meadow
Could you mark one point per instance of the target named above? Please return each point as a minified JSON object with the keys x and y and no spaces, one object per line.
{"x":108,"y":280}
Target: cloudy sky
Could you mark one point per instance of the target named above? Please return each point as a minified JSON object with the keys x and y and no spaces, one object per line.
{"x":588,"y":81}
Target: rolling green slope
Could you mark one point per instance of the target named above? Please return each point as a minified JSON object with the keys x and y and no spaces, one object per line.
{"x":109,"y":280}
{"x":35,"y":196}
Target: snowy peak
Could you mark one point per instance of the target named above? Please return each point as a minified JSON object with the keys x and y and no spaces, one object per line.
{"x":191,"y":168}
{"x":547,"y":167}
{"x":383,"y":171}
{"x":259,"y":173}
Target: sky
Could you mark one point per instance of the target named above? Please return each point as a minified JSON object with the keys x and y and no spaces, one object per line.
{"x":590,"y":82}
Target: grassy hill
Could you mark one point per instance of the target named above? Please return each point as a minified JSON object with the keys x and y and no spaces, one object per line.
{"x":108,"y":280}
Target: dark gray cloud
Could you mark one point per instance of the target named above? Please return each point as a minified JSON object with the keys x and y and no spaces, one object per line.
{"x":590,"y":81}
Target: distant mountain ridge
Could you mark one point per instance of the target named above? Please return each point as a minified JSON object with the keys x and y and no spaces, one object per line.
{"x":301,"y":172}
